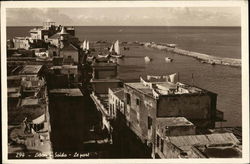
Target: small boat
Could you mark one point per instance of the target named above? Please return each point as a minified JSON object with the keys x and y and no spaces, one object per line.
{"x":147,"y":59}
{"x":90,"y":58}
{"x":116,"y":56}
{"x":103,"y":56}
{"x":168,"y":59}
{"x":115,"y":50}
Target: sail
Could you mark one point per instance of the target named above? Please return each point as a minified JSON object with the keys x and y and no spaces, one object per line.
{"x":111,"y":48}
{"x":84,"y":45}
{"x":87,"y":45}
{"x":173,"y":78}
{"x":117,"y":48}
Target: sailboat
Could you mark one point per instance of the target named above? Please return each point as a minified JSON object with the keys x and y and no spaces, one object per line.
{"x":84,"y":45}
{"x":115,"y":50}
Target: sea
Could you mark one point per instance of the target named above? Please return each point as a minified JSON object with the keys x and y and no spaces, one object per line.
{"x":216,"y":41}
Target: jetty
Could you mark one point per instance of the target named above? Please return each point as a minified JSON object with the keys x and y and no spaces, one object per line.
{"x":203,"y":58}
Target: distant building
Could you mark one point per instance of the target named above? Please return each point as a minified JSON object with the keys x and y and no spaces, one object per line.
{"x":43,"y":33}
{"x":22,"y":43}
{"x":61,"y":37}
{"x":47,"y":30}
{"x":66,"y":46}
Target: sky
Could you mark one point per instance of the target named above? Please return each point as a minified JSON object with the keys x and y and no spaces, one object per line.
{"x":144,"y":16}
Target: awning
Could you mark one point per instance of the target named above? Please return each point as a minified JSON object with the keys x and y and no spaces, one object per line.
{"x":39,"y":120}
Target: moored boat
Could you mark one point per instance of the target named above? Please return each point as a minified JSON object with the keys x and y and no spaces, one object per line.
{"x":168,"y":59}
{"x":90,"y":58}
{"x":103,"y":56}
{"x":115,"y":50}
{"x":147,"y":59}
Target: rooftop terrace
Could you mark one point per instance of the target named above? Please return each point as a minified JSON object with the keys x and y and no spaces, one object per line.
{"x":163,"y":87}
{"x":31,"y":69}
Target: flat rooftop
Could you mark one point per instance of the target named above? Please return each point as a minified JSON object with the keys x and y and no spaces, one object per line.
{"x":209,"y":139}
{"x":164,"y":88}
{"x":173,"y":121}
{"x":119,"y":92}
{"x":67,"y":92}
{"x":220,"y":151}
{"x":141,"y":87}
{"x":29,"y":102}
{"x":30,"y":69}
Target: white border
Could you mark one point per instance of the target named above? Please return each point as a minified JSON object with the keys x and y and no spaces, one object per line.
{"x":100,"y":4}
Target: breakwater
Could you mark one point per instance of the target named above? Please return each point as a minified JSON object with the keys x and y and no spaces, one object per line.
{"x":204,"y":58}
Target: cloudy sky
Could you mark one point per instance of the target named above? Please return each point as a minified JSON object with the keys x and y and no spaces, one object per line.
{"x":166,"y":16}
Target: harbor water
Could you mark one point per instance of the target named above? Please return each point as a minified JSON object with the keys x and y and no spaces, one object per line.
{"x":216,"y":41}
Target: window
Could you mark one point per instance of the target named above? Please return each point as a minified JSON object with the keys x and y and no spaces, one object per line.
{"x":128,"y":98}
{"x":113,"y":111}
{"x":149,"y":122}
{"x":137,"y":101}
{"x":69,"y":57}
{"x":158,"y":141}
{"x":167,"y":132}
{"x":162,"y":145}
{"x":54,"y":53}
{"x":110,"y":108}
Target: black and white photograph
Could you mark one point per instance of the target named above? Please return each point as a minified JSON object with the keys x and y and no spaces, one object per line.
{"x":125,"y":81}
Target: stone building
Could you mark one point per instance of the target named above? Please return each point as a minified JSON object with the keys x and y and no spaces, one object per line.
{"x":155,"y":109}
